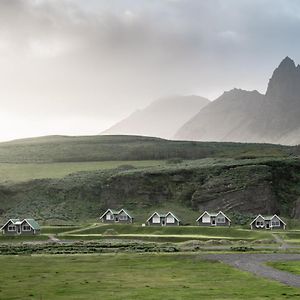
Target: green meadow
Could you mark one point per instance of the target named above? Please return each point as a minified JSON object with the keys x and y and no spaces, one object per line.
{"x":188,"y":231}
{"x":131,"y":276}
{"x":16,"y":172}
{"x":288,"y":266}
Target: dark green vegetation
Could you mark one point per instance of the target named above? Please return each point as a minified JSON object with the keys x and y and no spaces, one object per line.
{"x":246,"y":186}
{"x":288,"y":266}
{"x":135,"y":276}
{"x":241,"y":179}
{"x":109,"y":148}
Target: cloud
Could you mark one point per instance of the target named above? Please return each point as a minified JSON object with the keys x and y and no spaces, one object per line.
{"x":96,"y":61}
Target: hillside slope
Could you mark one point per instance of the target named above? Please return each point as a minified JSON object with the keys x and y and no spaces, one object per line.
{"x":243,"y":116}
{"x":162,"y":118}
{"x":245,"y":186}
{"x":111,"y":148}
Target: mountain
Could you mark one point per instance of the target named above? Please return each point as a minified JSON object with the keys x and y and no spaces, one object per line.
{"x":243,"y":116}
{"x":162,"y":118}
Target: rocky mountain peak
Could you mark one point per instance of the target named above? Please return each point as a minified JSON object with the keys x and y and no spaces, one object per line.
{"x":284,"y":84}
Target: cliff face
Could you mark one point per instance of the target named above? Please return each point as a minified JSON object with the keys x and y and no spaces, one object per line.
{"x":250,"y":186}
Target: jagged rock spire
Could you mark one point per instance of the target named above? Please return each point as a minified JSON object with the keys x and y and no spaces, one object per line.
{"x":285,"y":81}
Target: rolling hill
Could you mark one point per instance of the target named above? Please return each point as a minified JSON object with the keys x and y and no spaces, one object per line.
{"x":52,"y":149}
{"x":186,"y":177}
{"x":162,"y":118}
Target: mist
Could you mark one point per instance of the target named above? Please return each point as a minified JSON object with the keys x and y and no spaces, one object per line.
{"x":78,"y":67}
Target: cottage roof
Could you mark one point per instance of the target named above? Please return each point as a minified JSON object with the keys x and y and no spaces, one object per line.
{"x":267,"y":218}
{"x":33,"y":224}
{"x":213,"y":214}
{"x":163,"y":215}
{"x":116,"y":212}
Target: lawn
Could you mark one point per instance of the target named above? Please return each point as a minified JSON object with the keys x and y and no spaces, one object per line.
{"x":188,"y":231}
{"x":288,"y":266}
{"x":131,"y":276}
{"x":17,"y":172}
{"x":19,"y":239}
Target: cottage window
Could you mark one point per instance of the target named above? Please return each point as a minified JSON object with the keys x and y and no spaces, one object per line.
{"x":11,"y":228}
{"x":26,"y":228}
{"x":206,"y":219}
{"x":109,"y":217}
{"x":260,"y":224}
{"x":275,"y":223}
{"x":123,"y":217}
{"x":220,"y":220}
{"x":156,"y":219}
{"x":170,"y":219}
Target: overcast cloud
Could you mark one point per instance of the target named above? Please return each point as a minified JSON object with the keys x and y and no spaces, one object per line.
{"x":76,"y":67}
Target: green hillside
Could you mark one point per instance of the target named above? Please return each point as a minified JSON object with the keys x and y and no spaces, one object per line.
{"x":241,"y":187}
{"x":110,"y":148}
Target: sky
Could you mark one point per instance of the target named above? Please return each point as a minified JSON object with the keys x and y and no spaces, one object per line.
{"x":76,"y":67}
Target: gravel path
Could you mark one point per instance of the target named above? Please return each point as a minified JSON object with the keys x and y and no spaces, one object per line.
{"x":254,"y":263}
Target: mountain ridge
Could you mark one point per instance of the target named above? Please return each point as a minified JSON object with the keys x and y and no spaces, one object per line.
{"x":161,"y":118}
{"x":244,"y":116}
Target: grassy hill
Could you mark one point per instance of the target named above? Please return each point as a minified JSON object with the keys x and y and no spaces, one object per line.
{"x":122,"y":148}
{"x":240,"y":187}
{"x":59,"y":179}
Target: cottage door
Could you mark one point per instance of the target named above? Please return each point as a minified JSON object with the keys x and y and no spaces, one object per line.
{"x":19,"y":230}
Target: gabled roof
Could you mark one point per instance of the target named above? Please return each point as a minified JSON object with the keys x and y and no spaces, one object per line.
{"x":32,"y":223}
{"x":214,"y":214}
{"x":279,"y":219}
{"x":160,"y":215}
{"x":13,"y":221}
{"x":170,"y":213}
{"x":257,"y":218}
{"x":155,"y":213}
{"x":267,"y":218}
{"x":115,"y":212}
{"x":126,"y":212}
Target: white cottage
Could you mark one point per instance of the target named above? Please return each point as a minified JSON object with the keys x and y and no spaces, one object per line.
{"x":267,"y":222}
{"x":213,"y":219}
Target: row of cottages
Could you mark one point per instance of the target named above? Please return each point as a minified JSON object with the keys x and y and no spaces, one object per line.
{"x":165,"y":219}
{"x":18,"y":227}
{"x":205,"y":219}
{"x":268,"y":222}
{"x":116,"y":216}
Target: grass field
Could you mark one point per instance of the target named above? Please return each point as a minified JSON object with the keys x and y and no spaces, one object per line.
{"x":191,"y":231}
{"x":110,"y":148}
{"x":19,"y":239}
{"x":288,"y":266}
{"x":125,"y":276}
{"x":23,"y":172}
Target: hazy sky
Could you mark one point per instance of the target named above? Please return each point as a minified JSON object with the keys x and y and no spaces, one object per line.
{"x":76,"y":67}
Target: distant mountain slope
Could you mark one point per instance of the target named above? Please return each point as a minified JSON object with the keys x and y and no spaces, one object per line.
{"x":117,"y":148}
{"x":242,"y":116}
{"x":161,"y":118}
